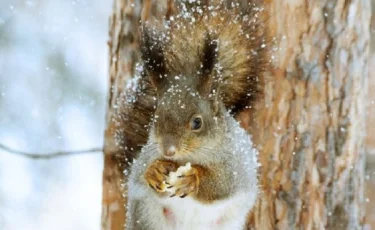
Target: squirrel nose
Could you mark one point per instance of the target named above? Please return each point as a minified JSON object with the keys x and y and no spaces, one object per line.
{"x":170,"y":151}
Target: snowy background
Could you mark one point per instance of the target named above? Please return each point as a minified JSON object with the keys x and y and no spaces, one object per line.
{"x":53,"y":83}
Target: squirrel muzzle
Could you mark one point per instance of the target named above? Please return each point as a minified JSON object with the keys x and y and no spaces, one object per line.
{"x":169,"y":146}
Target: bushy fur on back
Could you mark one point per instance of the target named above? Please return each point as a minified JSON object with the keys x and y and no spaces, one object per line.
{"x":238,"y":24}
{"x":227,"y":40}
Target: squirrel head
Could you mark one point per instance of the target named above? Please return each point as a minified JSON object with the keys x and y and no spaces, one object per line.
{"x":189,"y":113}
{"x":185,"y":121}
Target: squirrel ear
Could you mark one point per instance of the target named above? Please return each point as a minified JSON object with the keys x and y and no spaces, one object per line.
{"x":210,"y":51}
{"x":208,"y":85}
{"x":152,"y":55}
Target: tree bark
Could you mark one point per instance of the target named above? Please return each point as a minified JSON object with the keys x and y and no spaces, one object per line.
{"x":310,"y":128}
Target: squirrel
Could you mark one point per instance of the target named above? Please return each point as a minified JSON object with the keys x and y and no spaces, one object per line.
{"x":198,"y":169}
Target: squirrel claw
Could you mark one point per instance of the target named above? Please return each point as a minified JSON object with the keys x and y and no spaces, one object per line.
{"x":187,"y":183}
{"x":172,"y":195}
{"x":156,"y":173}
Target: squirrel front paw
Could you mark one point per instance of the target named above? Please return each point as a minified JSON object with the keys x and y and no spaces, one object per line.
{"x":157,"y":173}
{"x":183,"y":182}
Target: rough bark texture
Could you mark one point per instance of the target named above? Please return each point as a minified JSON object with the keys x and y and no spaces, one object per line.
{"x":312,"y":143}
{"x":310,"y":130}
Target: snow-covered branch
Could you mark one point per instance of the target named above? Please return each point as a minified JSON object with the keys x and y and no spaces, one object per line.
{"x":46,"y":156}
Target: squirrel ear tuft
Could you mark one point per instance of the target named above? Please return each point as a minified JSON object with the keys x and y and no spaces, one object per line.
{"x":210,"y":52}
{"x":152,"y":55}
{"x":209,"y":84}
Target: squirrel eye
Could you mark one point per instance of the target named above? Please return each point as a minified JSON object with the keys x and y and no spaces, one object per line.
{"x":196,"y":123}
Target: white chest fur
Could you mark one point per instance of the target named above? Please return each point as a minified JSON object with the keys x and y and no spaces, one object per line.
{"x":189,"y":214}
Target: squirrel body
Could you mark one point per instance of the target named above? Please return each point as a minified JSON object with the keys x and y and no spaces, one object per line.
{"x":201,"y":70}
{"x":228,"y":195}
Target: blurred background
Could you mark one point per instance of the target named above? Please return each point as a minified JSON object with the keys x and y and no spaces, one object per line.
{"x":53,"y":84}
{"x":53,"y":87}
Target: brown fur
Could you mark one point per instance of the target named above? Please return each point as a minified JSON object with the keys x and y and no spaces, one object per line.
{"x":132,"y":120}
{"x":208,"y":191}
{"x":244,"y":79}
{"x":182,"y":54}
{"x":220,"y":53}
{"x":241,"y":52}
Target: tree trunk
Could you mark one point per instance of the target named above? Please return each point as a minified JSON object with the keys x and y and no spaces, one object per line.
{"x":310,"y":130}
